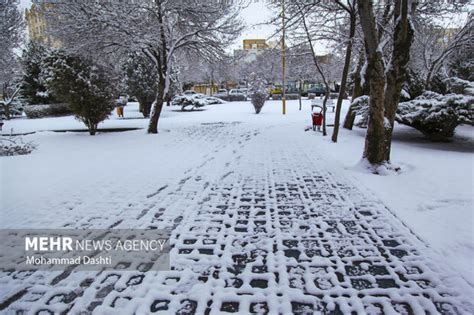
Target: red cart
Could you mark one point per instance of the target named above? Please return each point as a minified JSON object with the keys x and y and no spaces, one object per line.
{"x":317,"y":117}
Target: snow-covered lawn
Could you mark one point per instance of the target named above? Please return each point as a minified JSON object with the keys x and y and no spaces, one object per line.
{"x":75,"y":180}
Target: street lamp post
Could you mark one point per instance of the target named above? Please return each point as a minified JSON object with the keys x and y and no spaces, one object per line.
{"x":283,"y":58}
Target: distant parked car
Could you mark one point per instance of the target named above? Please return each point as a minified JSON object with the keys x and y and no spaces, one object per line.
{"x":317,"y":90}
{"x":237,"y":95}
{"x":189,"y":92}
{"x":275,"y":90}
{"x":222,"y":94}
{"x":245,"y":91}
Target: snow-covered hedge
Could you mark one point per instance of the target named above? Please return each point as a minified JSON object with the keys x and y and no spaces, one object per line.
{"x":10,"y":146}
{"x":49,"y":110}
{"x":195,"y":101}
{"x":436,"y":115}
{"x":459,"y":86}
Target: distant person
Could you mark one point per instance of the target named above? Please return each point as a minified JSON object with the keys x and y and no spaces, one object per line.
{"x":120,"y":111}
{"x":121,"y":102}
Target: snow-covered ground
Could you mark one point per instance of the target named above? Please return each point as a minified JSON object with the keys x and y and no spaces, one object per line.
{"x":75,"y":180}
{"x":434,"y":193}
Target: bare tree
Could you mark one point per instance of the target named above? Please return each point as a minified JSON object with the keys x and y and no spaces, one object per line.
{"x":434,"y":44}
{"x":357,"y":90}
{"x":315,"y":21}
{"x":160,"y":29}
{"x":326,"y":21}
{"x":11,"y":29}
{"x":351,"y":9}
{"x":425,"y":47}
{"x":11,"y":35}
{"x":298,"y":60}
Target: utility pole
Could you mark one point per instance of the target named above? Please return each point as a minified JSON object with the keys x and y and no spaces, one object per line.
{"x":283,"y":58}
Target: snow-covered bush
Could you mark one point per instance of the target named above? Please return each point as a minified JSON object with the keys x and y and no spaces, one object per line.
{"x":360,"y":106}
{"x":404,"y":95}
{"x":33,"y":89}
{"x":10,"y":102}
{"x":413,"y":87}
{"x":257,"y":91}
{"x":11,"y":108}
{"x":47,"y":110}
{"x":436,"y":115}
{"x":82,"y":84}
{"x":175,"y":86}
{"x":459,"y":86}
{"x":195,"y":100}
{"x":141,"y":81}
{"x":10,"y":146}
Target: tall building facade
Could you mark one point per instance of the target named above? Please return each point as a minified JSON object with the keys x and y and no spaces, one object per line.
{"x":37,"y":25}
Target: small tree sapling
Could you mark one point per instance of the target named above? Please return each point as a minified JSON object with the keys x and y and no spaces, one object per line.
{"x":257,"y":91}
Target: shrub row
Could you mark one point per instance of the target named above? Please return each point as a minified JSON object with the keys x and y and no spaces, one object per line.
{"x":49,"y":110}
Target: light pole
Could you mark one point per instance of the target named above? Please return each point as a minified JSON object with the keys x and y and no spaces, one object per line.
{"x":283,"y":58}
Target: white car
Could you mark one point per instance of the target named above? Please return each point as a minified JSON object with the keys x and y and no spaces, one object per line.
{"x":222,"y":93}
{"x":236,"y":91}
{"x":245,"y":91}
{"x":237,"y":95}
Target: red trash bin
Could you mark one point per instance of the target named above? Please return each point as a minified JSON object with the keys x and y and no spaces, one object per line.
{"x":317,"y":117}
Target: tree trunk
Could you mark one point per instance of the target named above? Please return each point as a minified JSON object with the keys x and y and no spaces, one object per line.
{"x":356,"y":92}
{"x":6,"y":111}
{"x":345,"y":72}
{"x":161,"y":56}
{"x":147,"y":109}
{"x":6,"y":105}
{"x":144,"y":106}
{"x":300,"y":91}
{"x":428,"y":78}
{"x":384,"y":87}
{"x":326,"y":96}
{"x":92,"y":128}
{"x":396,"y":74}
{"x":155,"y":116}
{"x":375,"y":137}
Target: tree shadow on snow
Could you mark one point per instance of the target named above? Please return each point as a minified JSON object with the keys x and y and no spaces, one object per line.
{"x":188,"y":111}
{"x":463,"y":140}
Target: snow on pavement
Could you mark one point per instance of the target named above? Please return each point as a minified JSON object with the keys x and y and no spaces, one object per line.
{"x":262,"y":221}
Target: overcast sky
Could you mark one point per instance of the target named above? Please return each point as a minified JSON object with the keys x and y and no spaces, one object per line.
{"x":254,"y":16}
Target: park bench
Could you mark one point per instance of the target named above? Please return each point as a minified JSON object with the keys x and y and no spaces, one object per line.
{"x":319,"y":102}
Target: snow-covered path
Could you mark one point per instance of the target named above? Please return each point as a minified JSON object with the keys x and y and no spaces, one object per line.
{"x":261,"y":223}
